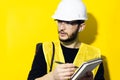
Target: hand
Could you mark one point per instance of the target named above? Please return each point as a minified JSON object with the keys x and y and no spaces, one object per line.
{"x":87,"y":76}
{"x":63,"y":71}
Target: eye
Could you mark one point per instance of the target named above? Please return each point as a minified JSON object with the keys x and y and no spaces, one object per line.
{"x":59,"y":21}
{"x":72,"y":22}
{"x":69,"y":22}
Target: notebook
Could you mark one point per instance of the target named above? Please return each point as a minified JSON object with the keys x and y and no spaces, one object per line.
{"x":86,"y":66}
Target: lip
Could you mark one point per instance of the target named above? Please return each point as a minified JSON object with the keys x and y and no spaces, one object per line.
{"x":62,"y":34}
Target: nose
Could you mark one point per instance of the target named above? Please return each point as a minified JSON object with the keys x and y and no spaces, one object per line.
{"x":62,"y":25}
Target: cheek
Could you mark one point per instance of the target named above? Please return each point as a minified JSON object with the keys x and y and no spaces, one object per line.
{"x":72,"y":30}
{"x":58,"y":26}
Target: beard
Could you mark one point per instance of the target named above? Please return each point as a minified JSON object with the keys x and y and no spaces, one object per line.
{"x":71,"y":37}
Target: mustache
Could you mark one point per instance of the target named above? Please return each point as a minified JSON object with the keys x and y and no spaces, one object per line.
{"x":62,"y":32}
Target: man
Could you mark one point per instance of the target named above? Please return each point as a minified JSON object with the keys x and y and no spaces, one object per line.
{"x":70,"y":16}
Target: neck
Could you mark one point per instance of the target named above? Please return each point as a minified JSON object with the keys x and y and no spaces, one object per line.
{"x":73,"y":44}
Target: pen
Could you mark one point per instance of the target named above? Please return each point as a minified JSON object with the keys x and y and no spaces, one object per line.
{"x":63,"y":63}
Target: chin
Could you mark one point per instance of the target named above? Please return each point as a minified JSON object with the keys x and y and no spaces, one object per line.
{"x":67,"y":39}
{"x":63,"y":37}
{"x":63,"y":40}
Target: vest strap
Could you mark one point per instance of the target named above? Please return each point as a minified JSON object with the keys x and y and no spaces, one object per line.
{"x":53,"y":54}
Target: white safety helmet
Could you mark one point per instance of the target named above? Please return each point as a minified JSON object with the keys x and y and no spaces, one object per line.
{"x":69,"y":10}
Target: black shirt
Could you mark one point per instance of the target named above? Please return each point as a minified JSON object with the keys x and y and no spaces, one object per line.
{"x":39,"y":66}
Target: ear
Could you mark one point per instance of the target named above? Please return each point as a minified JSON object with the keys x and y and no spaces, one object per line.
{"x":81,"y":27}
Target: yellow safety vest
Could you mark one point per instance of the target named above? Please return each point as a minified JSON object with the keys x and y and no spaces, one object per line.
{"x":85,"y":53}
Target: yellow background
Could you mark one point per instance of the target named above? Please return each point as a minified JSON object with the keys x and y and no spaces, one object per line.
{"x":23,"y":23}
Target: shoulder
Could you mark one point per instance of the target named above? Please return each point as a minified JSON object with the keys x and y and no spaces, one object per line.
{"x":91,"y":49}
{"x":38,"y":44}
{"x":50,"y":43}
{"x":46,"y":45}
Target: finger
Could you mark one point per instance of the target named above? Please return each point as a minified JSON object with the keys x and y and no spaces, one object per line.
{"x":66,"y":75}
{"x":67,"y":65}
{"x":69,"y":70}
